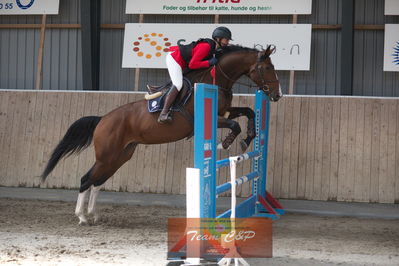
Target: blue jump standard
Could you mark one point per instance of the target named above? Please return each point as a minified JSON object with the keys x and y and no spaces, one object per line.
{"x":260,"y":203}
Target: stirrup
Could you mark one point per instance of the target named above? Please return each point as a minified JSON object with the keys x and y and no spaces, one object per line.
{"x":165,"y":118}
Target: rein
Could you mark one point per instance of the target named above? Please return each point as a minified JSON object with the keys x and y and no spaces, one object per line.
{"x":214,"y":80}
{"x":228,"y":78}
{"x":259,"y":71}
{"x":265,"y":87}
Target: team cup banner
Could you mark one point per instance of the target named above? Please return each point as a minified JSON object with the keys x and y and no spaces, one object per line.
{"x":391,"y":47}
{"x":146,"y":44}
{"x":29,"y":7}
{"x":391,"y":7}
{"x":218,"y":238}
{"x":225,"y":7}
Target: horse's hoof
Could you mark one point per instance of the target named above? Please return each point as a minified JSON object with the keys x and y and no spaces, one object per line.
{"x":93,"y":219}
{"x":244,"y":145}
{"x":221,"y":147}
{"x":83,"y":223}
{"x":82,"y":220}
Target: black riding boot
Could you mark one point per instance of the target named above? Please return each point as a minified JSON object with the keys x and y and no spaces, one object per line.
{"x":165,"y":117}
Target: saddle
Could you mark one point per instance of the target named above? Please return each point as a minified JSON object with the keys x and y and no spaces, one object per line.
{"x":156,"y":104}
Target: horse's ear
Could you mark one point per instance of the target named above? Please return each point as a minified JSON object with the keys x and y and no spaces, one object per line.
{"x":270,"y":50}
{"x":264,"y":54}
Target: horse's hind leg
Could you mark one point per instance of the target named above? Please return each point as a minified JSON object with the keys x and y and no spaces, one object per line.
{"x":91,"y":208}
{"x":79,"y":210}
{"x":100,"y":174}
{"x":251,"y":131}
{"x":99,"y":171}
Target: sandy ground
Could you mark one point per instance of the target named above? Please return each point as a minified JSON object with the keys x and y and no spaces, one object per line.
{"x":46,"y":233}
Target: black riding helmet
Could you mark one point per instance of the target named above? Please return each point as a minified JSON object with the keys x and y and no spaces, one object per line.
{"x":221,"y":32}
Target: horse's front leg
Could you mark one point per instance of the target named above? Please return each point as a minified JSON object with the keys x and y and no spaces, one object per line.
{"x":235,"y":112}
{"x":235,"y":130}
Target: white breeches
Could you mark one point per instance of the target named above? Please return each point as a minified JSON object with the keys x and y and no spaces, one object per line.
{"x":175,"y":71}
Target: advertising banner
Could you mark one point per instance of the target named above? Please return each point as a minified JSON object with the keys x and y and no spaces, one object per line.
{"x":391,"y":47}
{"x":225,"y":7}
{"x":146,"y":44}
{"x":391,"y":7}
{"x":29,"y":7}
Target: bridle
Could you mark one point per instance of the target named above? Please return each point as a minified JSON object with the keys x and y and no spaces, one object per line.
{"x":265,"y":87}
{"x":265,"y":83}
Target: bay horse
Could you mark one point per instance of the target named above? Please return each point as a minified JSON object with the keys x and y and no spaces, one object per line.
{"x":117,"y":134}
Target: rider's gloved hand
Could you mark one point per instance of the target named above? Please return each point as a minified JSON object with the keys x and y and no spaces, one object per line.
{"x":213,"y":61}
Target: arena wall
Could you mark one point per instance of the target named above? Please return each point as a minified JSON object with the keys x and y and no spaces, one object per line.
{"x":321,"y":148}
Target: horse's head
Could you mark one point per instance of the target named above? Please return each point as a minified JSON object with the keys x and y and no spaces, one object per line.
{"x":262,"y":72}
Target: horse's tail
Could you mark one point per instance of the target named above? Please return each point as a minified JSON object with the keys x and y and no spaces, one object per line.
{"x":77,"y":138}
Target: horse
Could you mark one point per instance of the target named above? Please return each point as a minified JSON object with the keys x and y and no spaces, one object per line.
{"x":116,"y":135}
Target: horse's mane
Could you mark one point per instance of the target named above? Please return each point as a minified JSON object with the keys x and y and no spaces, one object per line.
{"x":232,"y":49}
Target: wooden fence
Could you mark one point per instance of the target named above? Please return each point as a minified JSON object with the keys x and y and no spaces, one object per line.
{"x":320,"y":148}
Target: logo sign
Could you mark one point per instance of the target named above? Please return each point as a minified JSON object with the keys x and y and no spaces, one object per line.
{"x":226,"y":7}
{"x":29,"y":7}
{"x":391,"y":47}
{"x":219,"y":238}
{"x":391,"y":7}
{"x":146,"y":44}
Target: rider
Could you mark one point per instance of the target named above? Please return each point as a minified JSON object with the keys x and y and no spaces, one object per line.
{"x":199,"y":54}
